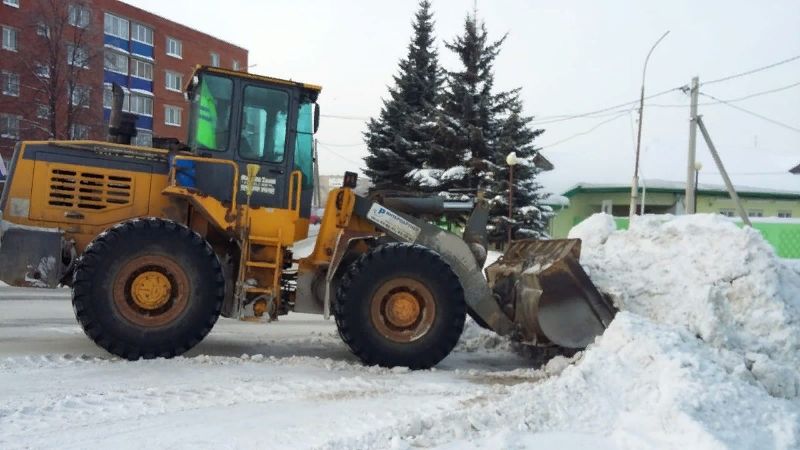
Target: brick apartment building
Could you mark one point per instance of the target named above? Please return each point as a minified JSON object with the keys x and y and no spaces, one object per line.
{"x":58,"y":59}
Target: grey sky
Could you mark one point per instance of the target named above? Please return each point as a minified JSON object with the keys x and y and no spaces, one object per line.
{"x":568,"y":56}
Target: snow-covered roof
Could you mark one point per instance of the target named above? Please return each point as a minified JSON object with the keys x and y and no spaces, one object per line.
{"x":555,"y":200}
{"x":680,"y":186}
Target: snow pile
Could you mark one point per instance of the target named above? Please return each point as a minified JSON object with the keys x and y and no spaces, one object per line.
{"x":642,"y":385}
{"x":722,"y":283}
{"x":704,"y":353}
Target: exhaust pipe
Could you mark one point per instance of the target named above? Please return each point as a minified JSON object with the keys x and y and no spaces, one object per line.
{"x":121,"y":125}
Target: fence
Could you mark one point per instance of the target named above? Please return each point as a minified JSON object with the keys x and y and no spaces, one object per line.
{"x":782,"y":234}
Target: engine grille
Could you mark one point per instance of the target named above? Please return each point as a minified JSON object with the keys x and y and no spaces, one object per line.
{"x":87,"y":190}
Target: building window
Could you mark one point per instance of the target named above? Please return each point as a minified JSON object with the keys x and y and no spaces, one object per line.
{"x":785,"y":214}
{"x":14,"y":3}
{"x":236,"y":65}
{"x":42,"y":111}
{"x":116,"y":62}
{"x":77,"y":56}
{"x":174,"y":81}
{"x":142,"y":105}
{"x":755,"y":213}
{"x":215,"y":59}
{"x":42,"y":29}
{"x":142,"y":69}
{"x":174,"y":47}
{"x":172,"y":116}
{"x":79,"y":15}
{"x":116,"y":26}
{"x":10,"y":39}
{"x":143,"y":138}
{"x":141,"y":33}
{"x":78,"y":132}
{"x":41,"y":71}
{"x":108,"y":98}
{"x":9,"y":82}
{"x":9,"y":126}
{"x":727,"y":212}
{"x":79,"y":96}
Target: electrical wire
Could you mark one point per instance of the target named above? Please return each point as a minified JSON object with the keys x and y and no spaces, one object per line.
{"x":560,"y":118}
{"x":754,"y":114}
{"x":738,"y":99}
{"x":339,"y":154}
{"x":750,"y":72}
{"x":583,"y":133}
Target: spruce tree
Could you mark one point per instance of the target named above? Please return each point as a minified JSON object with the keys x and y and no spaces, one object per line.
{"x":529,"y":218}
{"x":399,"y":139}
{"x":467,"y":127}
{"x":477,"y":128}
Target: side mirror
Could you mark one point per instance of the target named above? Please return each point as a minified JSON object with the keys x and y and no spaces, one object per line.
{"x":316,"y":117}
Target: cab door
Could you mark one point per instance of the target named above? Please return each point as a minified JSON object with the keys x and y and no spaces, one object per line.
{"x":263,"y":137}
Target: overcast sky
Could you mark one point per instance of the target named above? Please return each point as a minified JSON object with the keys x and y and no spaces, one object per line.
{"x":570,"y":57}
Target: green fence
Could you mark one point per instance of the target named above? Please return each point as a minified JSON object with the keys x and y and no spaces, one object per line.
{"x":783,"y":236}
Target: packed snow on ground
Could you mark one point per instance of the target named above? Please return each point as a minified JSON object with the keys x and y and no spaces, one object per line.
{"x":704,"y":354}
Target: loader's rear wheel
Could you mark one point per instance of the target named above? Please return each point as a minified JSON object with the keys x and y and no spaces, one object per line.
{"x":148,"y":288}
{"x":400,"y":305}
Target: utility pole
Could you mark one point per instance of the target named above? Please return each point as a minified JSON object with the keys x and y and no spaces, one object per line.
{"x":723,"y":172}
{"x":691,"y":189}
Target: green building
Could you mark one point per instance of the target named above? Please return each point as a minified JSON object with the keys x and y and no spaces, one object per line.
{"x":667,"y":197}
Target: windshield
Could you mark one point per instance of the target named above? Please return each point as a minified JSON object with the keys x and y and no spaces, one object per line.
{"x":211,"y":113}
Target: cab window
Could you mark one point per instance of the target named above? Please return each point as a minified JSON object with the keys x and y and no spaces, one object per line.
{"x":304,"y":144}
{"x":265,"y":114}
{"x":213,"y":110}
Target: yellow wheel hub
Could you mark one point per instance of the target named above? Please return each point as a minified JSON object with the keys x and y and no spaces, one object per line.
{"x":151,"y":290}
{"x":402,"y":309}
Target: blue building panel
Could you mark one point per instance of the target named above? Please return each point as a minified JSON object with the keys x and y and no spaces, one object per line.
{"x":138,"y":83}
{"x":113,"y":77}
{"x":144,"y":122}
{"x":119,"y":43}
{"x":106,"y":114}
{"x":140,"y":49}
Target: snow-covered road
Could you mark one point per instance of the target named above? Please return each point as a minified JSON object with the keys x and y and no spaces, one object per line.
{"x":290,"y":384}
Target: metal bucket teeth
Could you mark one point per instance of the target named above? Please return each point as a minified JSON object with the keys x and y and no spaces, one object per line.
{"x":543,"y":289}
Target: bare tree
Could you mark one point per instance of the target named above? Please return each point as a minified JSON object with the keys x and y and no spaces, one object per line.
{"x":57,"y":62}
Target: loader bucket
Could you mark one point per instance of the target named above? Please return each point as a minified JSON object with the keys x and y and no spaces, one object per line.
{"x":542,"y":288}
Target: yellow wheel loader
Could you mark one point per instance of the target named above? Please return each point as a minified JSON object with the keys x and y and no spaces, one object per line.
{"x":156,"y":243}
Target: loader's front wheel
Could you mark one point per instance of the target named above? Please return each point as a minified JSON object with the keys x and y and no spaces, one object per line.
{"x":148,"y":288}
{"x":400,"y":305}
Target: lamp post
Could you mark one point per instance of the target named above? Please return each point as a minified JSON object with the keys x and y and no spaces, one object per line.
{"x":635,"y":182}
{"x":698,"y":166}
{"x":512,"y":161}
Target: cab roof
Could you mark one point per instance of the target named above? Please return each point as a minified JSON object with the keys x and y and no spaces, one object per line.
{"x":235,"y":73}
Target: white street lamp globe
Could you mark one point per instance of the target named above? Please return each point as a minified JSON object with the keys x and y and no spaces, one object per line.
{"x":511,"y":159}
{"x":698,"y":166}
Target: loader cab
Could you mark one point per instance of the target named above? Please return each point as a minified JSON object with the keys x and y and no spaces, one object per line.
{"x":252,"y":119}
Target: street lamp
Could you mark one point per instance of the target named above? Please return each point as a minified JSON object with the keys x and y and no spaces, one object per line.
{"x":512,"y":161}
{"x":635,"y":182}
{"x":698,"y":166}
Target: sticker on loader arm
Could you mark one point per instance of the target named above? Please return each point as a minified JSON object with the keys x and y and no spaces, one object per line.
{"x":393,"y":223}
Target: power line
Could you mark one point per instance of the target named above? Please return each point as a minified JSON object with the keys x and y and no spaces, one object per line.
{"x":738,"y":99}
{"x":339,"y":154}
{"x":747,"y":111}
{"x":342,"y":117}
{"x":583,"y":133}
{"x":559,"y":118}
{"x":750,"y":72}
{"x":358,"y":144}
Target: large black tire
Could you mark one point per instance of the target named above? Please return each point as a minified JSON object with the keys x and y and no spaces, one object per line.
{"x":148,"y":288}
{"x":372,"y":307}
